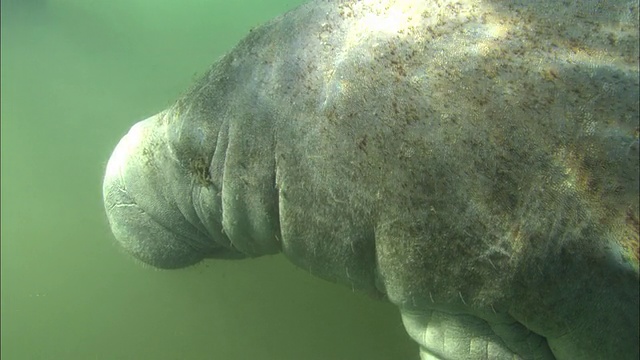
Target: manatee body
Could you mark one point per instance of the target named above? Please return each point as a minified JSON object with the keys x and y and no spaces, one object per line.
{"x":474,"y":162}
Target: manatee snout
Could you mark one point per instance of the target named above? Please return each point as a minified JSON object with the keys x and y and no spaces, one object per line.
{"x":134,"y":186}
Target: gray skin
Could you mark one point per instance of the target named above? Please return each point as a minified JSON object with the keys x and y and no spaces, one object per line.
{"x":474,"y":162}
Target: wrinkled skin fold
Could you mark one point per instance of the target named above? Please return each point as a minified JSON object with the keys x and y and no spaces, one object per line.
{"x":473,"y":162}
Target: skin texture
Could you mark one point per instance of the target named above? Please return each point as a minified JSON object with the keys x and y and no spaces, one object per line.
{"x":474,"y":162}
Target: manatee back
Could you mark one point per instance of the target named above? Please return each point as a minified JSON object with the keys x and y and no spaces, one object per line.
{"x":475,"y":141}
{"x":476,"y":156}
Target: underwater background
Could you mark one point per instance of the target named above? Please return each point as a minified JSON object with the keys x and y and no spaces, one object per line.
{"x":76,"y":74}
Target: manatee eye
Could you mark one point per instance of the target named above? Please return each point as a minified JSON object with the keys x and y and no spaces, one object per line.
{"x":634,"y":149}
{"x":199,"y":169}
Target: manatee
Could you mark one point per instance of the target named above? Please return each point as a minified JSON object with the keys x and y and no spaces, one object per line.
{"x":474,"y":162}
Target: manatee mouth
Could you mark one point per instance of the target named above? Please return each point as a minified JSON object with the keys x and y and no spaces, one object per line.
{"x":224,"y":254}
